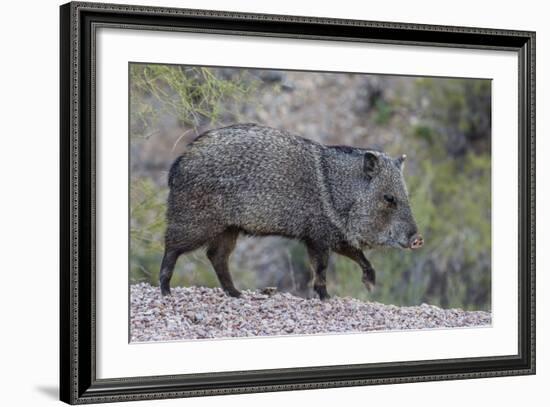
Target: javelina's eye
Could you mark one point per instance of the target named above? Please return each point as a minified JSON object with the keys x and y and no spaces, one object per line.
{"x":390,"y":199}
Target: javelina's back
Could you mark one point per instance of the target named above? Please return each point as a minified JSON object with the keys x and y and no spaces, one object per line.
{"x":257,"y":179}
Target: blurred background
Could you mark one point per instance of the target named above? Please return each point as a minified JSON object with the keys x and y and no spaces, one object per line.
{"x":442,"y":124}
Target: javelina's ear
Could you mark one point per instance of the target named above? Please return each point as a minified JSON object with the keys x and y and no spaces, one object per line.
{"x":370,"y":164}
{"x":400,"y":161}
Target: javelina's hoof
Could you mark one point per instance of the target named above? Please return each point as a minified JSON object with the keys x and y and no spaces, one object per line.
{"x":369,"y":285}
{"x":369,"y":279}
{"x":322,"y":291}
{"x":269,"y":291}
{"x":165,"y":291}
{"x":233,"y":293}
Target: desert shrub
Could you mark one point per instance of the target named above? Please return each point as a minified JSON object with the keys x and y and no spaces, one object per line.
{"x":147,"y":225}
{"x":192,"y":95}
{"x":459,"y":110}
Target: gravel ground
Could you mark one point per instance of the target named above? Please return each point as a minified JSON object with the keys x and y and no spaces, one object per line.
{"x":200,"y":312}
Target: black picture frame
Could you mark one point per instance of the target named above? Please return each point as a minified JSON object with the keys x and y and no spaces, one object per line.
{"x":78,"y":382}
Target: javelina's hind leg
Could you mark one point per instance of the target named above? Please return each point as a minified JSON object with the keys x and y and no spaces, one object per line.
{"x":358,"y":256}
{"x":319,"y":262}
{"x":179,"y":241}
{"x":218,"y":252}
{"x":167,"y":269}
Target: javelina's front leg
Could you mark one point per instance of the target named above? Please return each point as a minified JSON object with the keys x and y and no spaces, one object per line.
{"x":319,"y":262}
{"x":358,"y":256}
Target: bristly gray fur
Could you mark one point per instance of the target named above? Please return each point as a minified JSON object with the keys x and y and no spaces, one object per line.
{"x":258,"y":180}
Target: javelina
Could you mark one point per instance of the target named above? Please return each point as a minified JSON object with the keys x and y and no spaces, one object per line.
{"x":260,"y":181}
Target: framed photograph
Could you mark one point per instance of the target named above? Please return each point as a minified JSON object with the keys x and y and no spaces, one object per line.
{"x":254,"y":203}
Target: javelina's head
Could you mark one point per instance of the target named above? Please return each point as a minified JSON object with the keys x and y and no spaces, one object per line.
{"x":381,"y":214}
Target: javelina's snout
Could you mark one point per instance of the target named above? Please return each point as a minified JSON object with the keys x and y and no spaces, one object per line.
{"x":416,"y":241}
